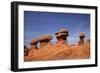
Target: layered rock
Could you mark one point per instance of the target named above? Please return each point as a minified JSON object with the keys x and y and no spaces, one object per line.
{"x":45,"y":41}
{"x":62,"y":36}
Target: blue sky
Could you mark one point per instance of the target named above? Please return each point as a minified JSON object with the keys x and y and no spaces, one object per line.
{"x":40,"y":23}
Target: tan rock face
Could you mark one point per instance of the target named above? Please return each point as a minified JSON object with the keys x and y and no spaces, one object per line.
{"x":45,"y":40}
{"x":82,"y":36}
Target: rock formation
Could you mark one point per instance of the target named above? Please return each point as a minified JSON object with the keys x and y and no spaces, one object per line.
{"x":45,"y":41}
{"x":62,"y":36}
{"x":34,"y":43}
{"x":60,"y":51}
{"x":82,"y":36}
{"x":30,"y":51}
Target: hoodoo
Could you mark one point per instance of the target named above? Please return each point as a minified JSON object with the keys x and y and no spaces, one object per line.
{"x":62,"y":36}
{"x":82,"y":36}
{"x":45,"y":40}
{"x":42,"y":49}
{"x":34,"y":43}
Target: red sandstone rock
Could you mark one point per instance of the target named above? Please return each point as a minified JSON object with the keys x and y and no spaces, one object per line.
{"x":45,"y":41}
{"x":62,"y":36}
{"x":34,"y":41}
{"x":82,"y":36}
{"x":61,"y":50}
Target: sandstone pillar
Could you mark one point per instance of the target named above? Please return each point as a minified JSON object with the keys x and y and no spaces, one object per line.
{"x":82,"y":36}
{"x":62,"y":36}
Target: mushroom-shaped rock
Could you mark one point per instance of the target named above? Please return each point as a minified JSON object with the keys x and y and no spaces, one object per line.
{"x":45,"y":40}
{"x":82,"y":36}
{"x":34,"y":43}
{"x":61,"y":38}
